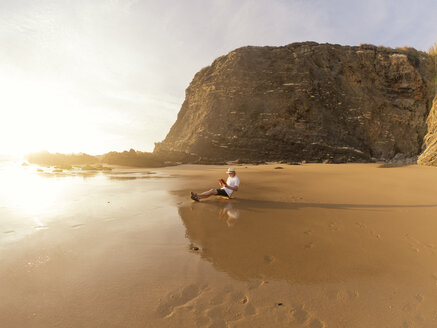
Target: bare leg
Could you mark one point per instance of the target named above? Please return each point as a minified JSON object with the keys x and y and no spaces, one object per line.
{"x":208,"y":193}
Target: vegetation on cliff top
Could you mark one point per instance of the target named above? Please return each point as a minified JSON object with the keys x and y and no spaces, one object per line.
{"x":432,"y":51}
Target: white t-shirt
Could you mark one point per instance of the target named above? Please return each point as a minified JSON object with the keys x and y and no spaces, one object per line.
{"x":233,"y":182}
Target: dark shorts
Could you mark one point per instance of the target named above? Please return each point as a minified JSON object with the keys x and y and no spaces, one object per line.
{"x":222,"y":192}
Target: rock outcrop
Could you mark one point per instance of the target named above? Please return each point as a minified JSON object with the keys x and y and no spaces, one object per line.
{"x":429,"y":155}
{"x":305,"y":101}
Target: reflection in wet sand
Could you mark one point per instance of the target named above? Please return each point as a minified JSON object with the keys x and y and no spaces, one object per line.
{"x":304,"y":245}
{"x":229,"y":213}
{"x":135,"y":176}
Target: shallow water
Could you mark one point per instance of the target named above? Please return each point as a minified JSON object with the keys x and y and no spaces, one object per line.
{"x":31,"y":200}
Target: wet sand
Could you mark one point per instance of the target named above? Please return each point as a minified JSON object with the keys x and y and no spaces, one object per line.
{"x":303,"y":246}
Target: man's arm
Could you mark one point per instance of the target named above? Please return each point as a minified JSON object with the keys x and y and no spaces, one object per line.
{"x":235,"y":188}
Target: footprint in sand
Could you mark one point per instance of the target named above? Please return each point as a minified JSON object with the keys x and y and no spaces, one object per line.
{"x":9,"y":231}
{"x":255,"y":284}
{"x":435,"y":278}
{"x":216,"y":318}
{"x":234,"y":306}
{"x":341,"y":295}
{"x":250,"y":309}
{"x":177,"y":299}
{"x":218,"y":298}
{"x":417,"y":245}
{"x":300,"y":315}
{"x":333,"y":226}
{"x":76,"y":226}
{"x":316,"y":323}
{"x":269,"y":259}
{"x":304,"y":319}
{"x":309,"y":245}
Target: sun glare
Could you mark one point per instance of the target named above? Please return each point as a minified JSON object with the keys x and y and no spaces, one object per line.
{"x":28,"y":193}
{"x":45,"y":116}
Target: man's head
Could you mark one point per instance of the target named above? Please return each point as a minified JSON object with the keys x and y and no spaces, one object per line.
{"x":231,"y":172}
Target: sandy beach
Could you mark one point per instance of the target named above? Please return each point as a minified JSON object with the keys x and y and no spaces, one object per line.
{"x":313,"y":245}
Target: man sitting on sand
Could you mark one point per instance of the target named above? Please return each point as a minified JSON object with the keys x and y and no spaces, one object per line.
{"x":226,"y":190}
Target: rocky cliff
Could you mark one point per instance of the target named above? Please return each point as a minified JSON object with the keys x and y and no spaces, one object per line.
{"x":305,"y":101}
{"x":429,"y":155}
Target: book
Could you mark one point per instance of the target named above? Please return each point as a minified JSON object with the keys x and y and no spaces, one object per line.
{"x":222,"y":181}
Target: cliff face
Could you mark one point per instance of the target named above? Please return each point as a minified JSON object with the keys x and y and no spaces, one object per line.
{"x":429,"y":156}
{"x":305,"y":101}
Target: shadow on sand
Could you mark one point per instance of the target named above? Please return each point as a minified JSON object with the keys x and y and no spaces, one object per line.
{"x":393,"y":165}
{"x":248,"y":204}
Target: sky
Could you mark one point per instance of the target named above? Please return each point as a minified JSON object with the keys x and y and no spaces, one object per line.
{"x":100,"y":75}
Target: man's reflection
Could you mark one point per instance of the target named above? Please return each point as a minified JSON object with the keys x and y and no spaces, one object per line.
{"x":229,"y":214}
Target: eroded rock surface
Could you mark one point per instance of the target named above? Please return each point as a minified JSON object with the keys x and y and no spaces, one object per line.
{"x":305,"y":101}
{"x":429,"y":155}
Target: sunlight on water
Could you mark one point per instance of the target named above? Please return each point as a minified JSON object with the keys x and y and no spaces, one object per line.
{"x":35,"y":199}
{"x":27,"y":192}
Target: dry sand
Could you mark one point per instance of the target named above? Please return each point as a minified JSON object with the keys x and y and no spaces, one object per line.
{"x":304,"y":246}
